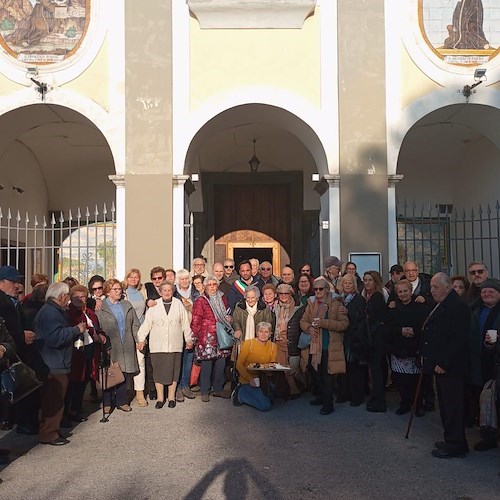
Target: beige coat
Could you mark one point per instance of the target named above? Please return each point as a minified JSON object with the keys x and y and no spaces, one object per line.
{"x":166,"y":333}
{"x":336,"y":324}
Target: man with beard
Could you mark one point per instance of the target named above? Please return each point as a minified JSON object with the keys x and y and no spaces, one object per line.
{"x":238,"y":288}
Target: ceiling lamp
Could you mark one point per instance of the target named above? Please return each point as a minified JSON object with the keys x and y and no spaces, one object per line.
{"x":254,"y":162}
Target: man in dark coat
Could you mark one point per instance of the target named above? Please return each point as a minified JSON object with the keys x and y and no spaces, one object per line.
{"x":237,"y":291}
{"x":446,"y":354}
{"x":478,"y":274}
{"x":7,"y":356}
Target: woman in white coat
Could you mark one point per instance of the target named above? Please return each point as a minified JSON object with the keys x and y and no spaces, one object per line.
{"x":167,"y":326}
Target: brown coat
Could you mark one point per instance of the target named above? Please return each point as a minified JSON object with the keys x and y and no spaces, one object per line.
{"x":336,"y":324}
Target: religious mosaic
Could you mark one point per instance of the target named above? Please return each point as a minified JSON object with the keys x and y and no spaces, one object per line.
{"x":463,"y":32}
{"x":43,"y":31}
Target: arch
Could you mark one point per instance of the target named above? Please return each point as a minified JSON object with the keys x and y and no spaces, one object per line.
{"x":292,"y":112}
{"x":111,"y":130}
{"x":432,"y":102}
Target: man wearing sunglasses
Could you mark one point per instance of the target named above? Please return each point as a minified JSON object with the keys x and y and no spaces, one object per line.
{"x":266,"y":276}
{"x":478,"y":274}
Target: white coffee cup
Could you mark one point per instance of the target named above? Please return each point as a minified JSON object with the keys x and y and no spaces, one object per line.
{"x":493,"y":335}
{"x":256,"y":382}
{"x":315,"y":322}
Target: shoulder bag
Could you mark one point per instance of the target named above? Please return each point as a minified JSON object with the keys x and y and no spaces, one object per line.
{"x":110,"y":376}
{"x":18,"y":381}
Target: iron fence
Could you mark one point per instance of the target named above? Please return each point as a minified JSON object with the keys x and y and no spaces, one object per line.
{"x":440,"y":238}
{"x":76,"y":243}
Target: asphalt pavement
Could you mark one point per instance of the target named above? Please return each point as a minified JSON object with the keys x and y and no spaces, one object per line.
{"x":217,"y":451}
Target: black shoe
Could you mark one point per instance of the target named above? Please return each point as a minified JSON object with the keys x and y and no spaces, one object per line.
{"x":171,"y":404}
{"x":375,"y":408}
{"x":294,"y":396}
{"x":485,"y":445}
{"x":58,"y":441}
{"x":153,"y":396}
{"x":326,"y":410}
{"x":26,"y":430}
{"x":440,"y":445}
{"x":65,"y":435}
{"x":66,"y":423}
{"x":316,"y":402}
{"x":402,"y":410}
{"x":6,"y":426}
{"x":356,"y":403}
{"x":429,"y":406}
{"x":234,"y":396}
{"x":159,"y":405}
{"x":4,"y":460}
{"x":448,"y":453}
{"x":78,"y":418}
{"x":4,"y":452}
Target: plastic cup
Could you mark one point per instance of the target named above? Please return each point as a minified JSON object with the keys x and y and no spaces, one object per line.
{"x":493,"y":335}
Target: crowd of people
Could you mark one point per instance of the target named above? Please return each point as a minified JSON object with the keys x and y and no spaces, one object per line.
{"x":341,"y":337}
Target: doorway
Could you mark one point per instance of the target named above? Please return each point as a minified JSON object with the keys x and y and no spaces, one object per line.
{"x":261,"y":254}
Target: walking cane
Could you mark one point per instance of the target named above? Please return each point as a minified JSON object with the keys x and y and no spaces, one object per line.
{"x":415,"y":400}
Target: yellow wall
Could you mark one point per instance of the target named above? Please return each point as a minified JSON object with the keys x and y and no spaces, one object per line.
{"x":222,"y":60}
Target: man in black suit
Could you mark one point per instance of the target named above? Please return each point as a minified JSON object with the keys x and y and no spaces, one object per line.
{"x":445,"y":354}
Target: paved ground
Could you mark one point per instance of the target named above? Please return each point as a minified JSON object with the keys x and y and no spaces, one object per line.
{"x":217,"y":451}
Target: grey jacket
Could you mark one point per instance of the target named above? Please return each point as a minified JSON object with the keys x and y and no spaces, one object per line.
{"x":125,"y":352}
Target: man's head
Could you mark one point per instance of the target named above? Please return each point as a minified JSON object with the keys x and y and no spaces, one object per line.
{"x":59,"y":293}
{"x":228,"y":267}
{"x":198,"y":265}
{"x":266,"y":270}
{"x":245,"y":270}
{"x":287,"y":275}
{"x":170,"y":275}
{"x":332,"y":266}
{"x":218,"y":270}
{"x":478,"y":272}
{"x":490,"y":292}
{"x":440,"y":287}
{"x":9,"y":276}
{"x":255,"y":266}
{"x":410,"y":270}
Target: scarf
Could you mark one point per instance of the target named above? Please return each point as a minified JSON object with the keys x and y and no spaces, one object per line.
{"x":318,"y":311}
{"x":250,"y":326}
{"x":282,"y":312}
{"x":218,"y":308}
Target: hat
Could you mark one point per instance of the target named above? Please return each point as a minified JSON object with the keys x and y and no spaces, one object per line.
{"x":284,"y":288}
{"x":10,"y":273}
{"x":333,"y":261}
{"x":396,"y":268}
{"x":491,"y":283}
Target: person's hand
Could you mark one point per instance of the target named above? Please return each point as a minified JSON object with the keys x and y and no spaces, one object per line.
{"x":189,"y":345}
{"x":252,"y":383}
{"x":101,"y":338}
{"x":439,"y":370}
{"x":3,"y":350}
{"x":29,"y":337}
{"x":420,"y":300}
{"x":407,"y":331}
{"x":98,"y":304}
{"x":151,"y":303}
{"x":488,"y":339}
{"x":82,"y":326}
{"x":313,"y":332}
{"x":392,"y":304}
{"x":139,"y":346}
{"x":229,"y":319}
{"x":237,"y":334}
{"x":342,"y":309}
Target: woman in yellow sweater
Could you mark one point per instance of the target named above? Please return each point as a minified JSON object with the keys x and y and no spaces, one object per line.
{"x":258,"y":350}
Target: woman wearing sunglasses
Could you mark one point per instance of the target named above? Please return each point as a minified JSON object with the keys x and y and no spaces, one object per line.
{"x":325,"y":322}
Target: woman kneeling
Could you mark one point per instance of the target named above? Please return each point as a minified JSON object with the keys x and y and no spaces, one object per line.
{"x":258,"y":350}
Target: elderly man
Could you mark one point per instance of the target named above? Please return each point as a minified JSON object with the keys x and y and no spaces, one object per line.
{"x":478,"y":273}
{"x":238,"y":288}
{"x":199,"y":267}
{"x":218,"y":272}
{"x":287,"y":276}
{"x":485,"y":321}
{"x":56,"y":339}
{"x":332,"y":272}
{"x":266,"y":275}
{"x":255,"y":267}
{"x":446,"y":354}
{"x":421,"y":286}
{"x":230,"y":275}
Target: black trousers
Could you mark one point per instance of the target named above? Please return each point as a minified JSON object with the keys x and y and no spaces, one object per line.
{"x":378,"y":370}
{"x":322,"y":379}
{"x":407,"y":385}
{"x":352,"y":383}
{"x":450,"y":393}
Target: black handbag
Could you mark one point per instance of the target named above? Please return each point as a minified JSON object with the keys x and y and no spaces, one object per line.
{"x":18,"y":381}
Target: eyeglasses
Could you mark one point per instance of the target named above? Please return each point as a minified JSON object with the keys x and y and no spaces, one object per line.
{"x":97,"y":288}
{"x":265,"y":268}
{"x":284,"y":293}
{"x":319,"y":289}
{"x":477,"y":271}
{"x":228,"y":267}
{"x":116,"y":290}
{"x":411,"y":270}
{"x":157,"y":278}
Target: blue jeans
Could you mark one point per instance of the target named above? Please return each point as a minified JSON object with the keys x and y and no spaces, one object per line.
{"x":253,"y":396}
{"x":187,"y":363}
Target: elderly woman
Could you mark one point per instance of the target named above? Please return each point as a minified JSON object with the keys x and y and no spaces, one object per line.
{"x":269,"y":295}
{"x":135,"y":293}
{"x":248,"y":312}
{"x":167,"y":326}
{"x":187,"y":294}
{"x":352,"y":384}
{"x":209,"y":308}
{"x":305,"y":288}
{"x":326,"y":324}
{"x":404,"y":326}
{"x":119,"y":321}
{"x":56,"y":338}
{"x":198,"y":283}
{"x":84,"y":360}
{"x":256,"y":350}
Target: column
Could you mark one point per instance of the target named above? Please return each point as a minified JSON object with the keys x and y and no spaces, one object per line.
{"x":392,"y":227}
{"x":119,"y":182}
{"x":178,"y":229}
{"x":329,"y":189}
